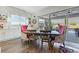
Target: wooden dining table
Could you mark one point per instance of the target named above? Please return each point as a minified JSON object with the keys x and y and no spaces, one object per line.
{"x":51,"y":35}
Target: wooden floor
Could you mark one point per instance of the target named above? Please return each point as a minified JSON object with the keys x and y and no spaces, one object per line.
{"x":15,"y":46}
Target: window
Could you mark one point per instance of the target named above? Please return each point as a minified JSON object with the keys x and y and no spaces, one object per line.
{"x":55,"y":22}
{"x":73,"y":30}
{"x":16,"y":20}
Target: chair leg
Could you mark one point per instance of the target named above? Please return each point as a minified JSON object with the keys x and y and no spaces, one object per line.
{"x":50,"y":46}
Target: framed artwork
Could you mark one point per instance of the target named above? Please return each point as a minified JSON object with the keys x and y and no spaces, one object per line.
{"x":34,"y":21}
{"x":3,"y":20}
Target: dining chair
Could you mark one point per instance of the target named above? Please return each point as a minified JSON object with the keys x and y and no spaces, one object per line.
{"x":31,"y":37}
{"x":59,"y":41}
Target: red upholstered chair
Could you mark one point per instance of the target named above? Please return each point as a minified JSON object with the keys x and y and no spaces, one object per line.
{"x":23,"y":29}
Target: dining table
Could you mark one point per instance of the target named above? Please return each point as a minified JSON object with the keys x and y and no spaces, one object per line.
{"x":51,"y":35}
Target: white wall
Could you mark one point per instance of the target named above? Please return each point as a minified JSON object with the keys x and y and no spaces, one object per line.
{"x":35,"y":26}
{"x":11,"y":31}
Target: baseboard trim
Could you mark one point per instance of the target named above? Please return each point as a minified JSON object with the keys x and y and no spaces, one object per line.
{"x":11,"y":39}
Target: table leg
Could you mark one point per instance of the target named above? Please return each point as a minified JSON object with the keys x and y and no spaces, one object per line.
{"x":52,"y":39}
{"x":41,"y":44}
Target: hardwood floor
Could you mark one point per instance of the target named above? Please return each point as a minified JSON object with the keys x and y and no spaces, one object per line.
{"x":15,"y":46}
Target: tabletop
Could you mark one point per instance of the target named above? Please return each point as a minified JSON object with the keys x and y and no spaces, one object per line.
{"x":41,"y":33}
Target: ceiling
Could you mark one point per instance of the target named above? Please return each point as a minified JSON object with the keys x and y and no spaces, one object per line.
{"x":42,"y":9}
{"x":31,"y":9}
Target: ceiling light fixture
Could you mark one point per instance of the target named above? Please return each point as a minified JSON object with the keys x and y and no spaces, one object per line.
{"x":69,"y":11}
{"x":54,"y":15}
